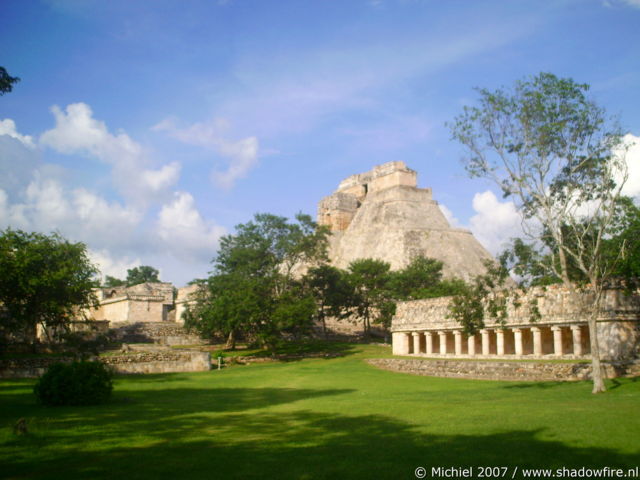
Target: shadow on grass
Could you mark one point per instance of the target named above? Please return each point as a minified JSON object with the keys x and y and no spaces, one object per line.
{"x":532,"y":385}
{"x":223,"y":433}
{"x":611,"y":384}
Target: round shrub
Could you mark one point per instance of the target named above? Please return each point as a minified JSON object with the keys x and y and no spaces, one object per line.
{"x":78,"y":383}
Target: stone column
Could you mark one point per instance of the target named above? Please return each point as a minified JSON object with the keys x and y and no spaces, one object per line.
{"x":416,"y":342}
{"x":557,"y":340}
{"x":471,"y":345}
{"x":485,"y":341}
{"x":443,"y":342}
{"x":517,"y":337}
{"x":576,"y":332}
{"x":400,"y":343}
{"x":429,"y":342}
{"x":458,"y":338}
{"x":500,"y":341}
{"x":537,"y":340}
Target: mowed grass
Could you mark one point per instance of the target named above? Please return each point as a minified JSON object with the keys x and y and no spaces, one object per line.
{"x":317,"y":418}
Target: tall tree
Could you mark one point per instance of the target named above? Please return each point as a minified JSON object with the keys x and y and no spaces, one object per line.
{"x":331,"y":291}
{"x":254,"y":289}
{"x":45,"y":280}
{"x":553,"y":151}
{"x":373,"y":300}
{"x":6,"y":81}
{"x":142,"y":274}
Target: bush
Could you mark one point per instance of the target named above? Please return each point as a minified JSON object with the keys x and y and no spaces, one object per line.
{"x":78,"y":383}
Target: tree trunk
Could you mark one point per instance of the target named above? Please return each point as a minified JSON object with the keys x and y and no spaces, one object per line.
{"x":596,"y":366}
{"x":231,"y":341}
{"x":324,"y":326}
{"x":564,"y":270}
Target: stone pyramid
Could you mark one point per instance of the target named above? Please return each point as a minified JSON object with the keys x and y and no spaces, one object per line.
{"x":382,"y":214}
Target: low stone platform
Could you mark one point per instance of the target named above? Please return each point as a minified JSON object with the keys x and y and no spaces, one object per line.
{"x":156,"y":361}
{"x":502,"y":370}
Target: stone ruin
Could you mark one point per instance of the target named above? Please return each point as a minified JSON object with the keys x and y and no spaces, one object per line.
{"x":146,"y":302}
{"x":382,"y":214}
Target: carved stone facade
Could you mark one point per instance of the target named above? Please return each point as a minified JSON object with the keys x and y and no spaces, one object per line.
{"x":422,"y":328}
{"x":382,"y":214}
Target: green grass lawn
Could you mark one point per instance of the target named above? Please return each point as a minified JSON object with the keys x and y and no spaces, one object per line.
{"x":317,"y":418}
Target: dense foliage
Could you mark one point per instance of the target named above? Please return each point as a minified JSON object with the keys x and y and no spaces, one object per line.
{"x":78,"y":383}
{"x":45,"y":280}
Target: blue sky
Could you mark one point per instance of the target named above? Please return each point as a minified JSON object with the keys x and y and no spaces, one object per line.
{"x":147,"y":129}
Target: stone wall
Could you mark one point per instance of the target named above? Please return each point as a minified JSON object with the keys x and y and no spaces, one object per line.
{"x":165,"y":333}
{"x":159,"y":361}
{"x":497,"y":370}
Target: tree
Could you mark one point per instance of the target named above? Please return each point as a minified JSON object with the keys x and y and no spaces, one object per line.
{"x":110,"y":281}
{"x":45,"y":280}
{"x":372,"y":300}
{"x":551,"y":149}
{"x":6,"y":81}
{"x":254,"y":289}
{"x":331,"y":291}
{"x":422,"y":278}
{"x":142,"y":274}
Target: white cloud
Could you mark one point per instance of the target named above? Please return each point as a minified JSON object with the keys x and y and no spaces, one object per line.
{"x":113,"y":267}
{"x":8,"y":127}
{"x":632,"y":185}
{"x":79,"y":214}
{"x":163,"y":178}
{"x":77,"y":132}
{"x":242,"y":155}
{"x":184,"y":232}
{"x":495,"y":222}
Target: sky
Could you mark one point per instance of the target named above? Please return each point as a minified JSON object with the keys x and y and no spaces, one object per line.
{"x":148,"y":129}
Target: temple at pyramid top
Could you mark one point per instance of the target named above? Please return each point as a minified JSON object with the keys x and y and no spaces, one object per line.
{"x":382,"y":214}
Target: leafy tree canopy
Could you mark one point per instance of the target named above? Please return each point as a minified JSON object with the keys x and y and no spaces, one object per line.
{"x":110,"y":281}
{"x":45,"y":280}
{"x":422,"y":278}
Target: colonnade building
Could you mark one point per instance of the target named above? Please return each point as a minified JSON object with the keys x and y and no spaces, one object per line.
{"x":423,"y":328}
